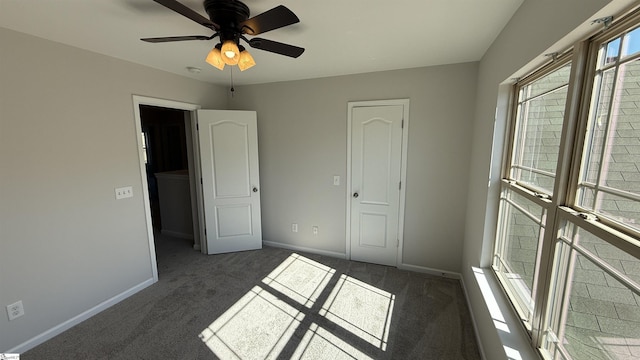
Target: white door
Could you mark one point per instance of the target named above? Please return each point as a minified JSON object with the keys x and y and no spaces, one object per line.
{"x":230,"y":182}
{"x":376,"y":152}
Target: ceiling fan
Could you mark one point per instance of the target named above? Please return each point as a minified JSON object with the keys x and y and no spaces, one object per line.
{"x":229,"y":19}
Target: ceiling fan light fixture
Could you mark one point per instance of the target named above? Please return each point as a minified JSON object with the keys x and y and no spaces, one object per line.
{"x":230,"y":21}
{"x":215,"y":58}
{"x":230,"y":52}
{"x":246,"y":60}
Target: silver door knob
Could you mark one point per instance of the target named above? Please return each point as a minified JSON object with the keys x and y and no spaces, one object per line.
{"x":355,"y":195}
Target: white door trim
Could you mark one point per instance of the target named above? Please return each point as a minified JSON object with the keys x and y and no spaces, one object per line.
{"x":403,"y":168}
{"x":143,"y":100}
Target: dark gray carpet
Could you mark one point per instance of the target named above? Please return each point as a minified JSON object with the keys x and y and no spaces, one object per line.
{"x":278,"y":304}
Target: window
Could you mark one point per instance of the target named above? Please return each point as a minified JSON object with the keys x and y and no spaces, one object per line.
{"x":594,"y":311}
{"x":529,"y":183}
{"x":610,"y":178}
{"x":567,"y":249}
{"x":540,"y":113}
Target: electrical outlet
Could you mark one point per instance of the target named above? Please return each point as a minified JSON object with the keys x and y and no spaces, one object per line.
{"x":15,"y":310}
{"x":294,"y":227}
{"x":315,"y":231}
{"x":124,"y":192}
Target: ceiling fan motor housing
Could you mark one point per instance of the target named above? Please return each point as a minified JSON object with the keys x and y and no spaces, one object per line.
{"x":230,"y":21}
{"x":228,"y":14}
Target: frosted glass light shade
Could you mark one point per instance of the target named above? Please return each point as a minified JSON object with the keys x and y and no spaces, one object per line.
{"x":215,"y":58}
{"x":246,"y":61}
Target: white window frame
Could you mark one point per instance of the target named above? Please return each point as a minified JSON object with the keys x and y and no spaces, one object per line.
{"x":561,"y":205}
{"x":548,"y":203}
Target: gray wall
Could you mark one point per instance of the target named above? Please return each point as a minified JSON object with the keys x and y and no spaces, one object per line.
{"x":519,"y":47}
{"x":67,"y":139}
{"x":302,"y":127}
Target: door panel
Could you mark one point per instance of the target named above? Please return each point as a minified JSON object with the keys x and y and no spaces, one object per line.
{"x":230,"y":181}
{"x":230,"y":159}
{"x":373,"y":230}
{"x":376,"y":151}
{"x":234,"y":220}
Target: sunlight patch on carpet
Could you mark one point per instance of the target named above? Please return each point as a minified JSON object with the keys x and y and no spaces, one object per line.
{"x":300,"y":279}
{"x":263,"y":322}
{"x":319,"y":343}
{"x":258,"y":326}
{"x":362,"y":309}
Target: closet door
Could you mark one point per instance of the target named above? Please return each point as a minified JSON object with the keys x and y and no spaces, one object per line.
{"x":376,"y":150}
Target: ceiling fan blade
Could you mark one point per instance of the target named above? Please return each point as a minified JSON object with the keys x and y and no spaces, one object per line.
{"x":176,"y":38}
{"x":187,"y":12}
{"x":275,"y":18}
{"x":276,"y":47}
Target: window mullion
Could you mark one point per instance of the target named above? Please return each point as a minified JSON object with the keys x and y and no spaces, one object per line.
{"x":566,"y":154}
{"x":537,"y":273}
{"x":618,"y":239}
{"x":504,"y":213}
{"x":589,"y":142}
{"x":606,"y":140}
{"x":613,"y":272}
{"x":544,"y":93}
{"x":526,"y":213}
{"x":534,"y":170}
{"x":566,"y":288}
{"x":526,"y":192}
{"x":511,"y":131}
{"x":560,"y":267}
{"x":524,"y":113}
{"x":609,"y":190}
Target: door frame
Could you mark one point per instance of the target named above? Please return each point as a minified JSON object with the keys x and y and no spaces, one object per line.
{"x":194,"y":169}
{"x":403,"y":168}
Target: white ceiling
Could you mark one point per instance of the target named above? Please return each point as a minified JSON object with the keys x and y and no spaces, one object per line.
{"x":340,"y":36}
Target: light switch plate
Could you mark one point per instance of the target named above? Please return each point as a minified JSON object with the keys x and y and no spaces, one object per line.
{"x":124,"y":192}
{"x":336,"y":180}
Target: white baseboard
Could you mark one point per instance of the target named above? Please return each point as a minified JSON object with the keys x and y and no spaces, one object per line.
{"x":473,"y":319}
{"x":431,"y":271}
{"x":58,"y":329}
{"x":305,"y":249}
{"x":176,"y":234}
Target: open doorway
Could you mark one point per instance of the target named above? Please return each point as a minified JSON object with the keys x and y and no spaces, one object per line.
{"x":165,"y":153}
{"x":164,"y":142}
{"x":168,"y":171}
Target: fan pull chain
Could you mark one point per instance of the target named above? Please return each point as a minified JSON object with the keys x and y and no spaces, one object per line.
{"x":232,"y":89}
